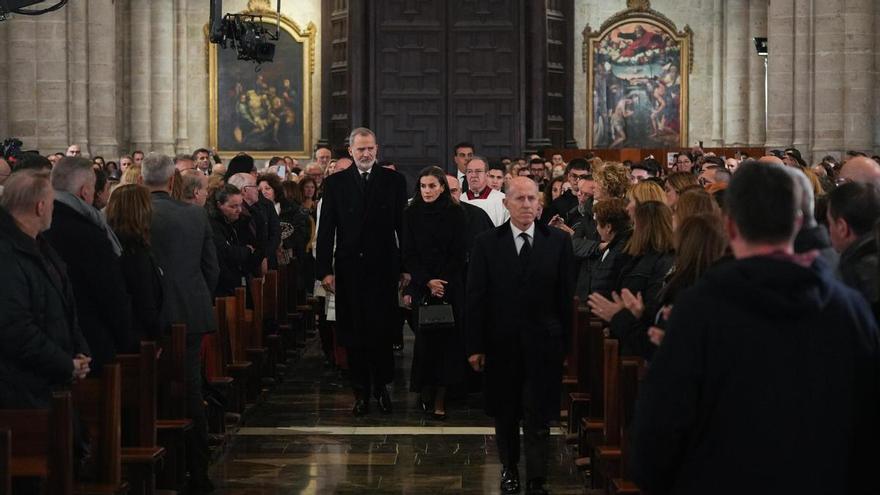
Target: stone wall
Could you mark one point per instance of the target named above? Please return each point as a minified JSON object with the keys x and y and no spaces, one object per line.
{"x":118,"y":75}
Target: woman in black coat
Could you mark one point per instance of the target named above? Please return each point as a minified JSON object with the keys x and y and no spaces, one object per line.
{"x":129,"y":214}
{"x":650,"y":257}
{"x":234,"y":258}
{"x":613,"y":226}
{"x":434,"y":253}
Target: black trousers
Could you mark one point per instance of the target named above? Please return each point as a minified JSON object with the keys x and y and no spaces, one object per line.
{"x":197,"y":443}
{"x":536,"y":431}
{"x":370,"y":367}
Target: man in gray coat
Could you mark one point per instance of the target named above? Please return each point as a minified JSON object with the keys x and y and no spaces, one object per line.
{"x":183,"y":245}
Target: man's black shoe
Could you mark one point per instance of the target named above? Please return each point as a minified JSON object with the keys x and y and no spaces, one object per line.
{"x":536,"y":487}
{"x":384,"y":401}
{"x":509,"y":480}
{"x":361,"y":407}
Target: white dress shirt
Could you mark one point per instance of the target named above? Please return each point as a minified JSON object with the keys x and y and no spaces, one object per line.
{"x":518,"y":241}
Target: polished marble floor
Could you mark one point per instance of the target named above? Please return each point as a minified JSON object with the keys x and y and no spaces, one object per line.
{"x":303,"y":439}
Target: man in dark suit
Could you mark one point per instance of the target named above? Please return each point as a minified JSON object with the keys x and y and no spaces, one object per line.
{"x":362,"y":212}
{"x":520,"y":347}
{"x":91,"y":252}
{"x":182,"y":242}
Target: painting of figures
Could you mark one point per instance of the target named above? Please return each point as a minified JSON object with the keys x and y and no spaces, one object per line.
{"x":638,"y":87}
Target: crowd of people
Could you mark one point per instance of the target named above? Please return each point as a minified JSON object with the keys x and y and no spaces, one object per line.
{"x":749,"y":285}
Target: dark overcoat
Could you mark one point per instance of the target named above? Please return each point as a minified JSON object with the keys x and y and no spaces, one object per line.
{"x":37,"y":320}
{"x":520,"y":317}
{"x":366,"y":224}
{"x":102,"y":301}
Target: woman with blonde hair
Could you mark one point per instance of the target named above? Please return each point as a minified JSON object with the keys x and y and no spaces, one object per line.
{"x":132,"y":175}
{"x":612,"y":181}
{"x":642,"y":192}
{"x":676,"y":184}
{"x":650,"y":251}
{"x":129,"y":213}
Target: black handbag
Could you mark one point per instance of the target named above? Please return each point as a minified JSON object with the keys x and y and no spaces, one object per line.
{"x":435,"y":317}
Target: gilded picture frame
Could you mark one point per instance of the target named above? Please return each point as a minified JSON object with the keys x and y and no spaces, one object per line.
{"x":264,"y":110}
{"x":637,"y":67}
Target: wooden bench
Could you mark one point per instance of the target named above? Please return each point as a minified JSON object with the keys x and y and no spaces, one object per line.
{"x":39,"y":444}
{"x":141,"y":455}
{"x":97,"y":402}
{"x":173,"y":425}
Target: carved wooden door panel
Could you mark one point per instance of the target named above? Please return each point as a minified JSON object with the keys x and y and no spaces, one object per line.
{"x":444,"y":72}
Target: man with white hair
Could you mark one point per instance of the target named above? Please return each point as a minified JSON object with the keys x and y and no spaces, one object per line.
{"x":91,"y":251}
{"x":182,"y":241}
{"x":5,"y":172}
{"x":42,"y":344}
{"x":480,"y":194}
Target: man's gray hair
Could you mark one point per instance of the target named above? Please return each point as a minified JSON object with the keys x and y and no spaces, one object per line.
{"x":241,"y":180}
{"x":807,"y":203}
{"x":360,"y":131}
{"x":24,"y":189}
{"x":157,"y":169}
{"x":180,"y":157}
{"x":71,"y":173}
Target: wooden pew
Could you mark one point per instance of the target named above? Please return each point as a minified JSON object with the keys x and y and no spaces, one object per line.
{"x":272,"y":336}
{"x":97,"y":402}
{"x":40,"y":444}
{"x":592,"y":428}
{"x":256,"y":351}
{"x":141,"y":454}
{"x":579,"y":396}
{"x":173,"y":426}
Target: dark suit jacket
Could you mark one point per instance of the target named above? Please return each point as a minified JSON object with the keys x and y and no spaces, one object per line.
{"x":102,"y":301}
{"x":366,"y":225}
{"x":184,"y":248}
{"x":520,"y":317}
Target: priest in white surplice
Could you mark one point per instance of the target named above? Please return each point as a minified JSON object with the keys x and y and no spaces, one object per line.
{"x":480,"y":194}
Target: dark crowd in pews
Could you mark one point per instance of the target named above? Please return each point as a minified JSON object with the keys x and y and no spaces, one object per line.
{"x":703,"y":326}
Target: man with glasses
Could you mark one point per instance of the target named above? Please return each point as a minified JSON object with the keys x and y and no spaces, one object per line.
{"x":859,"y":169}
{"x":462,"y":153}
{"x":574,"y":171}
{"x":536,"y":166}
{"x":480,"y":194}
{"x":183,"y":163}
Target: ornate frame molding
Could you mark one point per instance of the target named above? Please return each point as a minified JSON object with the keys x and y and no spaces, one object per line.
{"x":639,"y":11}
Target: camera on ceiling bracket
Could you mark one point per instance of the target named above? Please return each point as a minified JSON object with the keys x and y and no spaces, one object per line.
{"x":245,"y":33}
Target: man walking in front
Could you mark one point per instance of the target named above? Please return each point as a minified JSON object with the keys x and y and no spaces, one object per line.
{"x":520,"y":347}
{"x":362,"y":212}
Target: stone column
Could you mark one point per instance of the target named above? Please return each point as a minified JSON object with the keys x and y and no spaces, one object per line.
{"x":736,"y":77}
{"x":49,"y":80}
{"x":181,"y":102}
{"x":718,"y":73}
{"x":162,"y":82}
{"x":780,"y":31}
{"x":139,"y":112}
{"x":4,"y":79}
{"x":803,"y":86}
{"x":77,"y":76}
{"x":828,"y":94}
{"x":103,"y":139}
{"x":757,"y":29}
{"x":535,"y":76}
{"x":197,"y":74}
{"x":858,"y":78}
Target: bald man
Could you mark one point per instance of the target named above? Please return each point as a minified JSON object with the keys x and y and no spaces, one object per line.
{"x":520,"y":347}
{"x":860,"y":169}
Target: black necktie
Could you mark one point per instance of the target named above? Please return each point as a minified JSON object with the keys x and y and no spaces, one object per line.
{"x":366,"y":177}
{"x":526,"y":250}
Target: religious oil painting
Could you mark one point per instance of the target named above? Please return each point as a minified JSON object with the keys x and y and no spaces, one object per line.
{"x":264,"y":110}
{"x":637,"y":78}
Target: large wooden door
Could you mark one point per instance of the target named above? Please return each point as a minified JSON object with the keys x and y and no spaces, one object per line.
{"x":444,"y":72}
